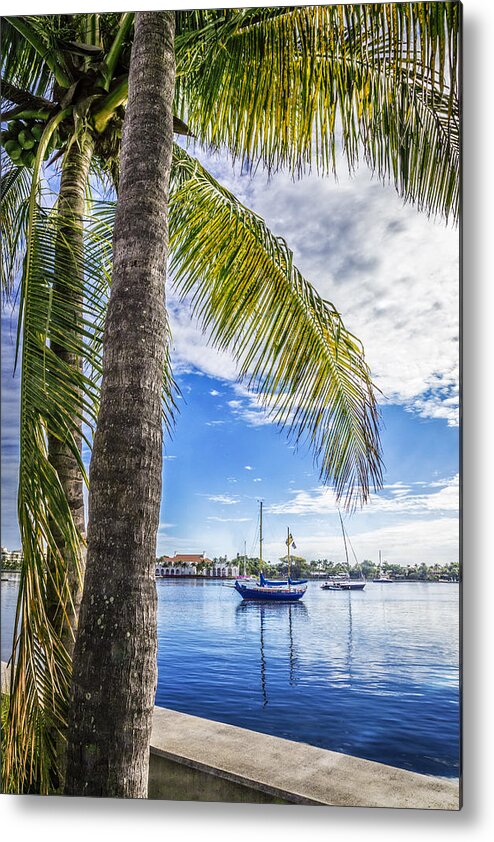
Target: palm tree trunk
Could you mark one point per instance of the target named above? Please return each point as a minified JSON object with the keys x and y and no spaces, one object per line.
{"x":63,"y":605}
{"x":68,"y":254}
{"x":114,"y":675}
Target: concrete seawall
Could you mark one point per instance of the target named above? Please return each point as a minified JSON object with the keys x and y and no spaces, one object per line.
{"x":196,"y":759}
{"x":258,"y":767}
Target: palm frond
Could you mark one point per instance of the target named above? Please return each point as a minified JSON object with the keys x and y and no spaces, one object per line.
{"x":291,"y":346}
{"x":279,"y":88}
{"x":55,"y":397}
{"x":22,"y":99}
{"x":15,"y":188}
{"x":114,"y":53}
{"x":31,"y":55}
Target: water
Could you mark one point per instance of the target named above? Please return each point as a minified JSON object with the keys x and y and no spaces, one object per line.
{"x":374,"y":673}
{"x":10,"y":584}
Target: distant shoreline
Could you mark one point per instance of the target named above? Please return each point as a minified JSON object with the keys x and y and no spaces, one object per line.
{"x":6,"y":573}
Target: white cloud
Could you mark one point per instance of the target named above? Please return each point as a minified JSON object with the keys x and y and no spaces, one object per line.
{"x":224,"y":499}
{"x":248,"y":408}
{"x":405,"y":542}
{"x":163,"y":527}
{"x":191,"y":351}
{"x":230,"y":519}
{"x":254,"y":417}
{"x":168,"y":545}
{"x":390,"y":271}
{"x":215,"y":393}
{"x":322,"y":500}
{"x":410,"y":527}
{"x":248,"y":467}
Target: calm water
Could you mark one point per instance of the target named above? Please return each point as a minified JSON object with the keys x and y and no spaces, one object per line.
{"x":373,"y":674}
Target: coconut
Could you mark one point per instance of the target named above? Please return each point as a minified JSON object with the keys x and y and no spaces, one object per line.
{"x":9,"y":145}
{"x":15,"y":153}
{"x":28,"y":158}
{"x":26,"y":139}
{"x":37,"y":130}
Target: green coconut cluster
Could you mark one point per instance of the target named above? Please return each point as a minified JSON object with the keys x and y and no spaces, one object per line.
{"x":21,"y":141}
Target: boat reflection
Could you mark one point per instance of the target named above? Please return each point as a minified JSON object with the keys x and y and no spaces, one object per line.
{"x":283,"y":615}
{"x":350,"y":637}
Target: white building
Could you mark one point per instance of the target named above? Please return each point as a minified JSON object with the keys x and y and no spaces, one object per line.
{"x":11,"y":558}
{"x":190,"y":564}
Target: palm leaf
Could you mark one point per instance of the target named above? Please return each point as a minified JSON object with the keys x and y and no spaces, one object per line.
{"x":15,"y":187}
{"x":280,"y":88}
{"x":54,"y":398}
{"x":291,"y":346}
{"x":31,"y":54}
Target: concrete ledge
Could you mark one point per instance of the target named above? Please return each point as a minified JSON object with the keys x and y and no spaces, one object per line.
{"x":292,"y":772}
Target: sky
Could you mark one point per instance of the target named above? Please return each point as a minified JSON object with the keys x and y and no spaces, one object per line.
{"x":393,"y":275}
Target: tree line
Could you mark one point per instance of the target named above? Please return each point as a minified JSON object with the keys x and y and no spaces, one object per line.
{"x":321,"y":567}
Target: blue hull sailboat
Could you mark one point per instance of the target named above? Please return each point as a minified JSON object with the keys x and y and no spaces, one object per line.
{"x":279,"y":592}
{"x":286,"y":590}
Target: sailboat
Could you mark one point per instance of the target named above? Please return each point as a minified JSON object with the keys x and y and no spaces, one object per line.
{"x":381,"y":578}
{"x":245,"y":575}
{"x":286,"y":590}
{"x":344,"y":583}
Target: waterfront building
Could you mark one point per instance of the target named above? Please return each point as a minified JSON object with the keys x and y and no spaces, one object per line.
{"x":11,"y":559}
{"x":196,"y":564}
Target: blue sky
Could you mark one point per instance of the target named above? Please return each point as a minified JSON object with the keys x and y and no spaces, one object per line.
{"x":219,"y":465}
{"x":393,"y":275}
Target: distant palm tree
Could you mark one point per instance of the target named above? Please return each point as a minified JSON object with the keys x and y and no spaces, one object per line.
{"x":277,"y":88}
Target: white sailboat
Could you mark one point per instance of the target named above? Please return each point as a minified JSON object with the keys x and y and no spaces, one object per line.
{"x":344,"y":582}
{"x":381,"y":578}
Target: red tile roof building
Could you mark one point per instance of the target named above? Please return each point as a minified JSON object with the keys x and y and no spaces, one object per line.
{"x":195,"y":564}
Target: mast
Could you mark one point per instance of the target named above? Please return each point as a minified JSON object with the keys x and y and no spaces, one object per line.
{"x":260,"y":537}
{"x":288,"y":553}
{"x":344,"y":540}
{"x":245,"y":558}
